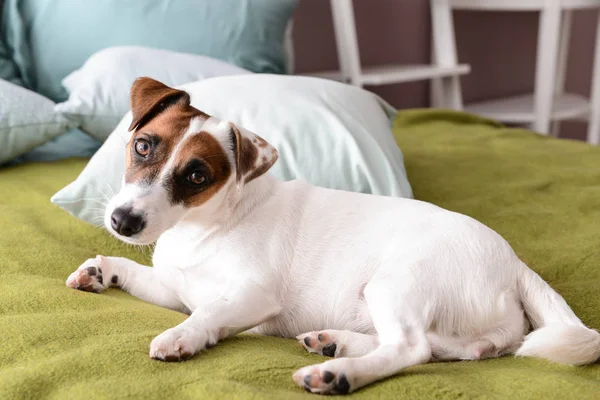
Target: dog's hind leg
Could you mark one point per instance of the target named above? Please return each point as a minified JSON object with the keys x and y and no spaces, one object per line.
{"x":503,"y":337}
{"x":336,"y":343}
{"x":402,"y":343}
{"x":97,"y":274}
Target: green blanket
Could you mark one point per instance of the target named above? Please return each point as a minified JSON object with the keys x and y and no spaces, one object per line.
{"x":542,"y":195}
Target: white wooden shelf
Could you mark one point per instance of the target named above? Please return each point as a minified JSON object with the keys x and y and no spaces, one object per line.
{"x":520,"y":109}
{"x":388,"y":74}
{"x":549,"y":102}
{"x":333,"y":75}
{"x":444,"y":70}
{"x":518,"y":5}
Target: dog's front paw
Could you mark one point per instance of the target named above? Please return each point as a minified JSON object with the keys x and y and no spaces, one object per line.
{"x":175,"y":344}
{"x":88,"y":277}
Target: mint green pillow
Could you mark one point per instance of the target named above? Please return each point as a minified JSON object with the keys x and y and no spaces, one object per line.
{"x":52,"y":38}
{"x":27,"y":120}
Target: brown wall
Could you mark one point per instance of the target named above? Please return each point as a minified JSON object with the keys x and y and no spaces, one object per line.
{"x":499,"y":46}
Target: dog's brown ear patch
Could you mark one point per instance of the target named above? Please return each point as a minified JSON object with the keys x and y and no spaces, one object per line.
{"x":149,"y":97}
{"x":254,"y":156}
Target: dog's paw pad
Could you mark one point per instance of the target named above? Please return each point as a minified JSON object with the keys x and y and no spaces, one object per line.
{"x":315,"y":379}
{"x":173,"y":345}
{"x":321,"y":343}
{"x":88,"y":277}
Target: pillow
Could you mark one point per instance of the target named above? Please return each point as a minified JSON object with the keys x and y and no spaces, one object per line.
{"x":99,"y":91}
{"x":27,"y":120}
{"x":73,"y":144}
{"x":329,"y":133}
{"x":52,"y":38}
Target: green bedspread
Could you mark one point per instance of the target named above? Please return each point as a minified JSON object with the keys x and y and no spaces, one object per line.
{"x":543,"y":195}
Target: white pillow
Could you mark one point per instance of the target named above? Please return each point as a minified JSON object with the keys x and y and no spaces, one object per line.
{"x":329,"y":133}
{"x":27,"y":120}
{"x":99,"y":90}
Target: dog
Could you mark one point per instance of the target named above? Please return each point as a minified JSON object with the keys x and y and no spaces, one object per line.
{"x":378,"y":283}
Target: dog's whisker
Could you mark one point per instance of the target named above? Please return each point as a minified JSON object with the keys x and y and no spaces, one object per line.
{"x":98,"y":201}
{"x":98,"y":209}
{"x":109,"y":187}
{"x":97,"y":218}
{"x":102,"y":192}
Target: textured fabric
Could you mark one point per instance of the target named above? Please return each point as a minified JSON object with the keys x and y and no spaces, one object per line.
{"x":541,"y":194}
{"x":99,"y":90}
{"x":27,"y":120}
{"x":331,"y":134}
{"x":52,"y":38}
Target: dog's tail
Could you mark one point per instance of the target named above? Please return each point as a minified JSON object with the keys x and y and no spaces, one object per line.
{"x":558,"y":334}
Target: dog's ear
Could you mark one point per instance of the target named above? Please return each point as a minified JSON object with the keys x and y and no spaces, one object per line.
{"x":149,"y":97}
{"x":253,"y":155}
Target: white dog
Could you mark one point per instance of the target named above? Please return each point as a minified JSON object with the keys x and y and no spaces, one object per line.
{"x":379,"y":283}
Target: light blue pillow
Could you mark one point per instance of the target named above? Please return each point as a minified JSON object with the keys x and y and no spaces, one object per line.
{"x":73,"y":144}
{"x":52,"y":38}
{"x":27,"y":120}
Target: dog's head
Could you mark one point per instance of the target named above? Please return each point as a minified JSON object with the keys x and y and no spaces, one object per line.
{"x":180,"y":161}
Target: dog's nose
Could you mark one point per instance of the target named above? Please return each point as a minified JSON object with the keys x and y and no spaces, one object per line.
{"x":125,"y":223}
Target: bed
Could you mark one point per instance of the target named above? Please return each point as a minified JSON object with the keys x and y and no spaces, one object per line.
{"x":540,"y":193}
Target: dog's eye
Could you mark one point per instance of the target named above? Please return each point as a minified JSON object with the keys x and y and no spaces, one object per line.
{"x":197,"y":178}
{"x":142,"y":147}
